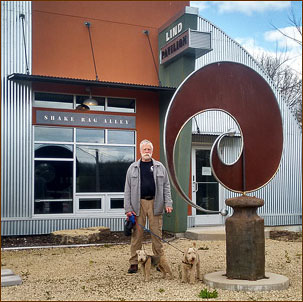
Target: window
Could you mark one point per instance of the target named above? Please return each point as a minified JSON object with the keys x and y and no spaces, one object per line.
{"x":69,"y":101}
{"x":101,"y":102}
{"x":80,"y":165}
{"x":102,"y":168}
{"x":120,"y":105}
{"x":89,"y":203}
{"x":53,"y":100}
{"x":121,"y":137}
{"x":116,"y":203}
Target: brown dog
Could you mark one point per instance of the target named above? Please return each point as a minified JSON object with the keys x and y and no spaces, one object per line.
{"x":191,"y":265}
{"x":147,"y":261}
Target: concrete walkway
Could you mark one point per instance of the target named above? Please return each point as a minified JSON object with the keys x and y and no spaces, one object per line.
{"x":217,"y":232}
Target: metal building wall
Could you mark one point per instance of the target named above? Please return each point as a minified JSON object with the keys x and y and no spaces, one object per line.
{"x":283,"y":195}
{"x":16,"y":147}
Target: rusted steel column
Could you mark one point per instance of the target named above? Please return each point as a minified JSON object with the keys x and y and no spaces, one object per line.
{"x":245,"y":243}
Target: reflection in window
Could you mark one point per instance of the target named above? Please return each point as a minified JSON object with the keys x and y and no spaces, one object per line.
{"x":53,"y":191}
{"x":53,"y":151}
{"x":53,"y":100}
{"x":102,"y":168}
{"x":120,"y":105}
{"x":90,"y":136}
{"x":121,"y":137}
{"x":51,"y":134}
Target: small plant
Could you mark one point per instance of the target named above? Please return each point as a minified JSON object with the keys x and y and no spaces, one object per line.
{"x":161,"y":290}
{"x":205,"y":294}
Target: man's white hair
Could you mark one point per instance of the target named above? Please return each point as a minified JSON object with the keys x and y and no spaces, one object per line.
{"x":146,"y":142}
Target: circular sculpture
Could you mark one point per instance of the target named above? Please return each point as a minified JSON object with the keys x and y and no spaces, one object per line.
{"x":243,"y":94}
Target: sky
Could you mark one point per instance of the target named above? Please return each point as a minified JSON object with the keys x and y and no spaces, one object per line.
{"x":253,"y":25}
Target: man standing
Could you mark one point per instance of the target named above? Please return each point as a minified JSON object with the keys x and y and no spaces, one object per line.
{"x":147,"y":194}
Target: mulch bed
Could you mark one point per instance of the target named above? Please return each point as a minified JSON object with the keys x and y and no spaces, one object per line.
{"x":49,"y":240}
{"x":285,"y":235}
{"x":116,"y":237}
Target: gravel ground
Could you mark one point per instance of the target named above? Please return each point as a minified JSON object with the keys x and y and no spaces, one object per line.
{"x":100,"y":274}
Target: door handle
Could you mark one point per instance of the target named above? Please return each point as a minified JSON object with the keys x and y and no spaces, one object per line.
{"x":196,"y":187}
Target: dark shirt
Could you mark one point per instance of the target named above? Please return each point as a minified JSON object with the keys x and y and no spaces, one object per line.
{"x":147,"y":178}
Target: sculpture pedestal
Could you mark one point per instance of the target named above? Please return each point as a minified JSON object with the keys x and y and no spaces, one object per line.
{"x":245,"y":242}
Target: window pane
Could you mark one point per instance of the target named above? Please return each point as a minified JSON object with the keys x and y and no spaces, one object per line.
{"x":121,"y":105}
{"x":53,"y":151}
{"x":53,"y":100}
{"x":121,"y":137}
{"x":102,"y":168}
{"x":90,"y":136}
{"x":53,"y":181}
{"x":101,"y":102}
{"x":53,"y":207}
{"x":89,"y":203}
{"x":207,"y":197}
{"x":50,"y":134}
{"x":116,"y":203}
{"x":203,"y":169}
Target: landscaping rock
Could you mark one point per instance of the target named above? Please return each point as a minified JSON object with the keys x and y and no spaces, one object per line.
{"x":79,"y":236}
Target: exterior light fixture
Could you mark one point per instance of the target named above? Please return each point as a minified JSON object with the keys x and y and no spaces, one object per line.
{"x":90,"y":101}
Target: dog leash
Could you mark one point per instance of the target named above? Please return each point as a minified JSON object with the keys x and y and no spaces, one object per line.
{"x":145,"y":229}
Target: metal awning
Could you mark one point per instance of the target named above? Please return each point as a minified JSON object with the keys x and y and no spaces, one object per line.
{"x":91,"y":83}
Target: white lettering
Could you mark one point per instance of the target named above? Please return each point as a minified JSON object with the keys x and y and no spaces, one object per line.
{"x":179,"y":27}
{"x":52,"y":117}
{"x":95,"y":120}
{"x":126,"y":122}
{"x":167,"y":37}
{"x":82,"y":120}
{"x":72,"y":119}
{"x":105,"y":121}
{"x":45,"y":117}
{"x":173,"y":32}
{"x":65,"y":119}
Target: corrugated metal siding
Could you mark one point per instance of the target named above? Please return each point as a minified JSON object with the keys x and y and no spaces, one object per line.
{"x":16,"y":147}
{"x":283,"y":195}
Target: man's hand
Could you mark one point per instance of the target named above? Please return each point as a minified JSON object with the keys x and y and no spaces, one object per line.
{"x":128,"y":214}
{"x":168,"y":209}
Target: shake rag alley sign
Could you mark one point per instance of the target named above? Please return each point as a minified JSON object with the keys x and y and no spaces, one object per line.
{"x":84,"y":119}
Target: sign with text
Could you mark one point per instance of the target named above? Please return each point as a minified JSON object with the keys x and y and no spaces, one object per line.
{"x":175,"y":47}
{"x":84,"y":119}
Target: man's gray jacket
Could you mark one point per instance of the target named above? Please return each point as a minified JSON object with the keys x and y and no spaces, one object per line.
{"x":133,"y":186}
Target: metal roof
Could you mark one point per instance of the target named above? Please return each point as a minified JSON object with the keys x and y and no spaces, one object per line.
{"x":73,"y":81}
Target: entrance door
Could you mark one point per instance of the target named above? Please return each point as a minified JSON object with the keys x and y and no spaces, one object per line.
{"x":206,"y":191}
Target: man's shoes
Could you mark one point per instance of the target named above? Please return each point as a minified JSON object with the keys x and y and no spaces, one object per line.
{"x":133,"y":269}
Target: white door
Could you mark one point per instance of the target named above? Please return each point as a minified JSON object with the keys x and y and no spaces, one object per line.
{"x":206,"y":190}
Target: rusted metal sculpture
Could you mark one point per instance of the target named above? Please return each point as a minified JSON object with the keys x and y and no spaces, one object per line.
{"x":243,"y":94}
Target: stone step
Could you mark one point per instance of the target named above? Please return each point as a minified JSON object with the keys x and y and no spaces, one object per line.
{"x":211,"y":233}
{"x":8,"y":278}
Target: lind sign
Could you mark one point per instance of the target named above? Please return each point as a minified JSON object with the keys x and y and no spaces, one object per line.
{"x":84,"y":119}
{"x":173,"y":32}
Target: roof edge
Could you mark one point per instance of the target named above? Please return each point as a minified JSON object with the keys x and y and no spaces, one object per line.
{"x":73,"y":81}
